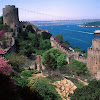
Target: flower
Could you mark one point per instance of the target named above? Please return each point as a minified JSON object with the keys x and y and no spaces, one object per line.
{"x":2,"y":51}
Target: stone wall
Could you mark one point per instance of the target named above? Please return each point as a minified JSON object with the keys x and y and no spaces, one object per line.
{"x":93,"y":60}
{"x":70,"y":54}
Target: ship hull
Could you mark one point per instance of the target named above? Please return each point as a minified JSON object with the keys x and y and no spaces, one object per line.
{"x":96,"y":33}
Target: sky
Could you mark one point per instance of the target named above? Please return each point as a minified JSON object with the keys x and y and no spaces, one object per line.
{"x":55,"y":9}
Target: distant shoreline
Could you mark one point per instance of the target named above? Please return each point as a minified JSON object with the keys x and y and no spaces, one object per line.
{"x":65,"y":20}
{"x":87,"y":26}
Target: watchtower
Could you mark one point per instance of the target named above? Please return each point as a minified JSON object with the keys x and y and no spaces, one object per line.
{"x":93,"y":59}
{"x":10,"y":16}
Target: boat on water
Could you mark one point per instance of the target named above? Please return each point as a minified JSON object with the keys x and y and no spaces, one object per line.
{"x":96,"y":32}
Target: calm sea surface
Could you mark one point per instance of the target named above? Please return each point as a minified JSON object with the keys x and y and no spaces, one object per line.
{"x":77,"y":36}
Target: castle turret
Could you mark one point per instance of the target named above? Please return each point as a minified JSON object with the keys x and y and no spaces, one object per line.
{"x":10,"y":16}
{"x":93,"y":60}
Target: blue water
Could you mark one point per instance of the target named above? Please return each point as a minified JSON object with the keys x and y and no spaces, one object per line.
{"x":77,"y":36}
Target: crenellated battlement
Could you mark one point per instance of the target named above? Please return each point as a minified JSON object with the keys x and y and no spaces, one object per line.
{"x":92,"y":50}
{"x":57,"y":45}
{"x":96,"y":43}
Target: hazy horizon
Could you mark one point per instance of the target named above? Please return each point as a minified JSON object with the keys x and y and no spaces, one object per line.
{"x":54,"y":9}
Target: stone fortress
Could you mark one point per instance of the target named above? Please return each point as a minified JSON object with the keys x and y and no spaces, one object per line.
{"x":92,"y":60}
{"x":10,"y":17}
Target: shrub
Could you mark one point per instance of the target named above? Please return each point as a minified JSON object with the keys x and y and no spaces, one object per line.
{"x":59,"y":37}
{"x":80,"y":67}
{"x":46,"y":35}
{"x":10,"y":30}
{"x":18,"y":60}
{"x":21,"y":79}
{"x":43,"y":88}
{"x":90,"y":92}
{"x":5,"y":68}
{"x":29,"y":28}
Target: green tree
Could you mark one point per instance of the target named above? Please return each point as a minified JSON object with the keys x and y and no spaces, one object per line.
{"x":46,"y":35}
{"x":59,"y":37}
{"x":24,"y":35}
{"x":77,"y":49}
{"x":90,"y":92}
{"x":29,"y":28}
{"x":45,"y":44}
{"x":53,"y":59}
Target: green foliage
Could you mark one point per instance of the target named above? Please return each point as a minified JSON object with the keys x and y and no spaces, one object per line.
{"x":10,"y":30}
{"x":24,"y":35}
{"x":80,"y":67}
{"x":31,"y":35}
{"x":43,"y":88}
{"x":22,"y":78}
{"x":32,"y":43}
{"x":29,"y":28}
{"x":53,"y":59}
{"x":1,"y":19}
{"x":46,"y":35}
{"x":18,"y":60}
{"x":67,"y":44}
{"x":61,"y":60}
{"x":90,"y":92}
{"x":4,"y":27}
{"x":59,"y":37}
{"x":45,"y":44}
{"x":85,"y":55}
{"x":20,"y":81}
{"x":77,"y":49}
{"x":28,"y":73}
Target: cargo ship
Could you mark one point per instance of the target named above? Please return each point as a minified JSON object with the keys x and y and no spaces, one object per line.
{"x":96,"y":32}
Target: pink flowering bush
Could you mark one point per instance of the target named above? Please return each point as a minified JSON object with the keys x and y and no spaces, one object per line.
{"x":56,"y":39}
{"x":1,"y":33}
{"x":39,"y":29}
{"x":63,"y":45}
{"x":5,"y":68}
{"x":2,"y":51}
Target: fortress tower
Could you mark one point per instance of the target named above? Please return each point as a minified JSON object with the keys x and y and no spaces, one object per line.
{"x":10,"y":16}
{"x":93,"y":60}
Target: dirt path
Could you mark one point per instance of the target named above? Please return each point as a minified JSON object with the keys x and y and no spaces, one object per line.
{"x":84,"y":83}
{"x":64,"y":87}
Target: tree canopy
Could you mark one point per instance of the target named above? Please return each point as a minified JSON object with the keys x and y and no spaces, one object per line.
{"x":90,"y":92}
{"x":79,"y":67}
{"x":59,"y":37}
{"x":53,"y":59}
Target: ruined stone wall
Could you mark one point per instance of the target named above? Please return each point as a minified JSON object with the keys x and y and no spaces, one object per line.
{"x":82,"y":59}
{"x":93,"y":60}
{"x":96,"y":44}
{"x":10,"y":16}
{"x":70,"y":54}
